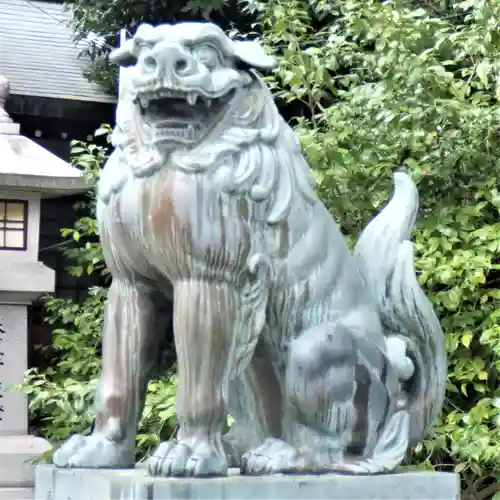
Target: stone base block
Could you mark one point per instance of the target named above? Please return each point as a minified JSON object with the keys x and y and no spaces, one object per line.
{"x":17,"y":454}
{"x":17,"y":493}
{"x":85,"y":484}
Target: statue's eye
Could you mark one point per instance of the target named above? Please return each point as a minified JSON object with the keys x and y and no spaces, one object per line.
{"x":208,"y":55}
{"x":143,"y":47}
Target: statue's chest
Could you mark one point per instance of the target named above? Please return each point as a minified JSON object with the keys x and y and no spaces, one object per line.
{"x":154,"y":207}
{"x":148,"y":221}
{"x":172,"y":223}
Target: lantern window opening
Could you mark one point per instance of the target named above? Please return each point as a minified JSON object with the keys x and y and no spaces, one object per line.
{"x":13,"y":224}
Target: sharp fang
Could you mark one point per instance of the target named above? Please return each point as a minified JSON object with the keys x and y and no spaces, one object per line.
{"x":191,"y":98}
{"x":144,"y":101}
{"x":209,"y":102}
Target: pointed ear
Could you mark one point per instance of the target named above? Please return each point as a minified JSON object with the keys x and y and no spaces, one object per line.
{"x":254,"y":55}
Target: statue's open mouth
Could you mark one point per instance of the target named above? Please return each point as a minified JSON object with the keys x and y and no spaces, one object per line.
{"x":181,"y":116}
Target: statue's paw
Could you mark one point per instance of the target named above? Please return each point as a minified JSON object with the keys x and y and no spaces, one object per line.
{"x":93,"y":452}
{"x":271,"y":457}
{"x":178,"y":459}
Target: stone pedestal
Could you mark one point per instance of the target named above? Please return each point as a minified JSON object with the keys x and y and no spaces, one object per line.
{"x":17,"y":448}
{"x":16,"y":465}
{"x":85,"y":484}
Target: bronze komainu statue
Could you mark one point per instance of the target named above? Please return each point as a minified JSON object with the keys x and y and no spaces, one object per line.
{"x":327,"y":360}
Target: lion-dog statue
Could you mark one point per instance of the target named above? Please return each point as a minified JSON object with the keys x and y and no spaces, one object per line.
{"x":327,"y":360}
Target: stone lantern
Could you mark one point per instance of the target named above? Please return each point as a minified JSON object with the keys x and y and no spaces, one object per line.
{"x":28,"y":173}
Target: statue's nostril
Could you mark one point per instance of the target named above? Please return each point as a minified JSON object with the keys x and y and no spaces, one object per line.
{"x":180,"y":65}
{"x":150,"y":63}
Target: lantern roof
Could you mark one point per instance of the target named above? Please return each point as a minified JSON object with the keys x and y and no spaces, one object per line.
{"x":27,"y":166}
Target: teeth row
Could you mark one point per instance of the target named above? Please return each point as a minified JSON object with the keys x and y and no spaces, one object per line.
{"x":191,"y":97}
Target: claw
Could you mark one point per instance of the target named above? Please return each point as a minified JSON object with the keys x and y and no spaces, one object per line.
{"x":271,"y":457}
{"x":176,"y":459}
{"x":191,"y":98}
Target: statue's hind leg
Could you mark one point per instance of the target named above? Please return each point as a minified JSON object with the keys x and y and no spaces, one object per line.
{"x":134,"y":324}
{"x":320,"y":389}
{"x":341,"y":397}
{"x":208,"y":317}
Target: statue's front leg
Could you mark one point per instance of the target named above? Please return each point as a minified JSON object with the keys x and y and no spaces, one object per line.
{"x":206,"y":316}
{"x":134,"y":322}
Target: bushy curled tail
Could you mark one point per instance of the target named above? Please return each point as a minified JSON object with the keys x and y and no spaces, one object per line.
{"x":385,"y":257}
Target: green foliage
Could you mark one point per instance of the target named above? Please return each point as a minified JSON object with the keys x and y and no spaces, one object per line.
{"x":61,"y":397}
{"x":389,"y":85}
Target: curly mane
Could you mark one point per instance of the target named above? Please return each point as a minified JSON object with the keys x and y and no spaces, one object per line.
{"x":252,"y":148}
{"x":257,"y":154}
